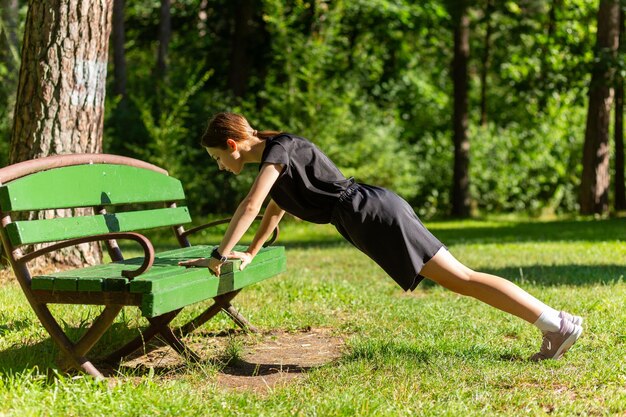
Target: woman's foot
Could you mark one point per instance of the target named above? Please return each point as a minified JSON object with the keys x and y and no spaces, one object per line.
{"x":577,"y":320}
{"x":555,"y":344}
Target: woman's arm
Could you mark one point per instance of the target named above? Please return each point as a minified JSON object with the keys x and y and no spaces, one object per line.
{"x":250,"y":206}
{"x":271,"y":218}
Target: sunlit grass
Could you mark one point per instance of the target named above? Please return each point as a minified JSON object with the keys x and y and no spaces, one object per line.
{"x":430,"y":352}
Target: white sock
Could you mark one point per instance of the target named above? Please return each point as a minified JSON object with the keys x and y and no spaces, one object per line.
{"x":549,"y":321}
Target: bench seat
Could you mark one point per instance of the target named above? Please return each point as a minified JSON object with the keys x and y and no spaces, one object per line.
{"x":167,"y":286}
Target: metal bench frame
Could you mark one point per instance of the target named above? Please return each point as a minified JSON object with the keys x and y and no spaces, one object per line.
{"x":113,"y":301}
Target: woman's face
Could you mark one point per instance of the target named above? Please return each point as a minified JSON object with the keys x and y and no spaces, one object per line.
{"x":227,"y":159}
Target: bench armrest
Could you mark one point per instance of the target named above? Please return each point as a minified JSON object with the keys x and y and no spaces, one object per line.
{"x":224,"y":221}
{"x":130,"y":274}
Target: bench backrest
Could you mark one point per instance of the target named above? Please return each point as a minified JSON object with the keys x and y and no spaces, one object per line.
{"x":78,"y":181}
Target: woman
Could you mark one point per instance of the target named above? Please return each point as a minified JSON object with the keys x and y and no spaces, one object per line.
{"x":304,"y":182}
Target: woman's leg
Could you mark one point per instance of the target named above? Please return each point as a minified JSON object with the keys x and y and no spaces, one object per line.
{"x":448,"y":272}
{"x":560,"y":330}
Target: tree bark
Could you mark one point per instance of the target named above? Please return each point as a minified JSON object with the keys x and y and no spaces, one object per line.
{"x":461,"y":180}
{"x":165,"y":34}
{"x":485,"y":63}
{"x":60,"y":98}
{"x":594,"y":187}
{"x":119,"y":52}
{"x":620,"y":185}
{"x":543,"y":74}
{"x":240,"y":61}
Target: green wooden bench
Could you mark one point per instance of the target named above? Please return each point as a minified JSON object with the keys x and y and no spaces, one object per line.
{"x":126,"y":195}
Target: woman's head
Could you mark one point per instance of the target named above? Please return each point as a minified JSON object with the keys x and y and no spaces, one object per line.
{"x":227,"y":137}
{"x":224,"y":126}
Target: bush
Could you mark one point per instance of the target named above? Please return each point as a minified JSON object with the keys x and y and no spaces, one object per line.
{"x":529,"y":168}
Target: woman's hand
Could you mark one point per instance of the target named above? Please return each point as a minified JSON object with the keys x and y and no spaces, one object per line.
{"x":246,"y":258}
{"x":201,"y":262}
{"x":211,"y":263}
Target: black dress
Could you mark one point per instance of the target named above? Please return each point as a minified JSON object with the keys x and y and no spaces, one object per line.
{"x":375,"y":220}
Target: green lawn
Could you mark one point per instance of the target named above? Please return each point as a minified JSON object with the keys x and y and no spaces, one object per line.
{"x":429,"y":352}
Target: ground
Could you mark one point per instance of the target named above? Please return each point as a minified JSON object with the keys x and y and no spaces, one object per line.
{"x":255,"y":363}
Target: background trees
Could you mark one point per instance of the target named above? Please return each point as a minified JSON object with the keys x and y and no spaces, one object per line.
{"x":594,"y":187}
{"x":370,"y":81}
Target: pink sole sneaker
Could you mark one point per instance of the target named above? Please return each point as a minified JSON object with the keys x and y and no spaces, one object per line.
{"x":555,"y":344}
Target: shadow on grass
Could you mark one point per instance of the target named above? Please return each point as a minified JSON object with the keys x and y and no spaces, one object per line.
{"x":553,"y":231}
{"x":43,"y":354}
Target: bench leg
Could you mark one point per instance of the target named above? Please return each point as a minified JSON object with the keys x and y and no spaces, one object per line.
{"x":221,"y":302}
{"x":156,"y":325}
{"x":177,"y":344}
{"x":240,"y":320}
{"x":94,"y":333}
{"x":67,"y":347}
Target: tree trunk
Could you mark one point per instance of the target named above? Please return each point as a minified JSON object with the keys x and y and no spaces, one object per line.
{"x":620,"y":185}
{"x":165,"y":34}
{"x":240,"y":61}
{"x":594,"y":187}
{"x":460,"y":188}
{"x":485,"y":63}
{"x":543,"y":72}
{"x":119,"y":52}
{"x":60,"y":98}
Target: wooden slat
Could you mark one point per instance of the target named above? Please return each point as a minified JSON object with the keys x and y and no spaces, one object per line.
{"x":195,"y":290}
{"x":164,"y":272}
{"x":50,"y":230}
{"x":98,"y":298}
{"x":153,"y":283}
{"x":167,"y":286}
{"x":66,"y":284}
{"x":88,"y":185}
{"x":42,"y":283}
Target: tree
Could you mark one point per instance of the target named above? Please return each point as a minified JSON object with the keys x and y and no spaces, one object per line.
{"x":461,"y":179}
{"x":484,"y":68}
{"x":119,"y":53}
{"x":60,"y":100}
{"x":620,"y":192}
{"x":165,"y":34}
{"x":240,"y":61}
{"x":594,"y":187}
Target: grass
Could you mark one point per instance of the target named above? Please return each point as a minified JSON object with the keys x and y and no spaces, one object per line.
{"x":430,"y":352}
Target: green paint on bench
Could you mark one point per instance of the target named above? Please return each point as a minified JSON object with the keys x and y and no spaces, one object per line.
{"x":91,"y":185}
{"x":50,"y":230}
{"x":168,"y":286}
{"x":203,"y":287}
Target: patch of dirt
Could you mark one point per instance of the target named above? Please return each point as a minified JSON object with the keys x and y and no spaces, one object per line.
{"x":258,"y":363}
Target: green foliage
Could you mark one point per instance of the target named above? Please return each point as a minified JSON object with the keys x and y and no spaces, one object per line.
{"x":369,"y":82}
{"x":532,"y":168}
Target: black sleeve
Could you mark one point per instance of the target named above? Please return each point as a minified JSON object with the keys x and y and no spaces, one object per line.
{"x":276,"y":154}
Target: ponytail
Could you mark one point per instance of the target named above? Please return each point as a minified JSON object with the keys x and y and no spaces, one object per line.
{"x":265,"y":134}
{"x":224,"y":126}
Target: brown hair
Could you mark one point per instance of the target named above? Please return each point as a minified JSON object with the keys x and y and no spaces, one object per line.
{"x":233,"y":126}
